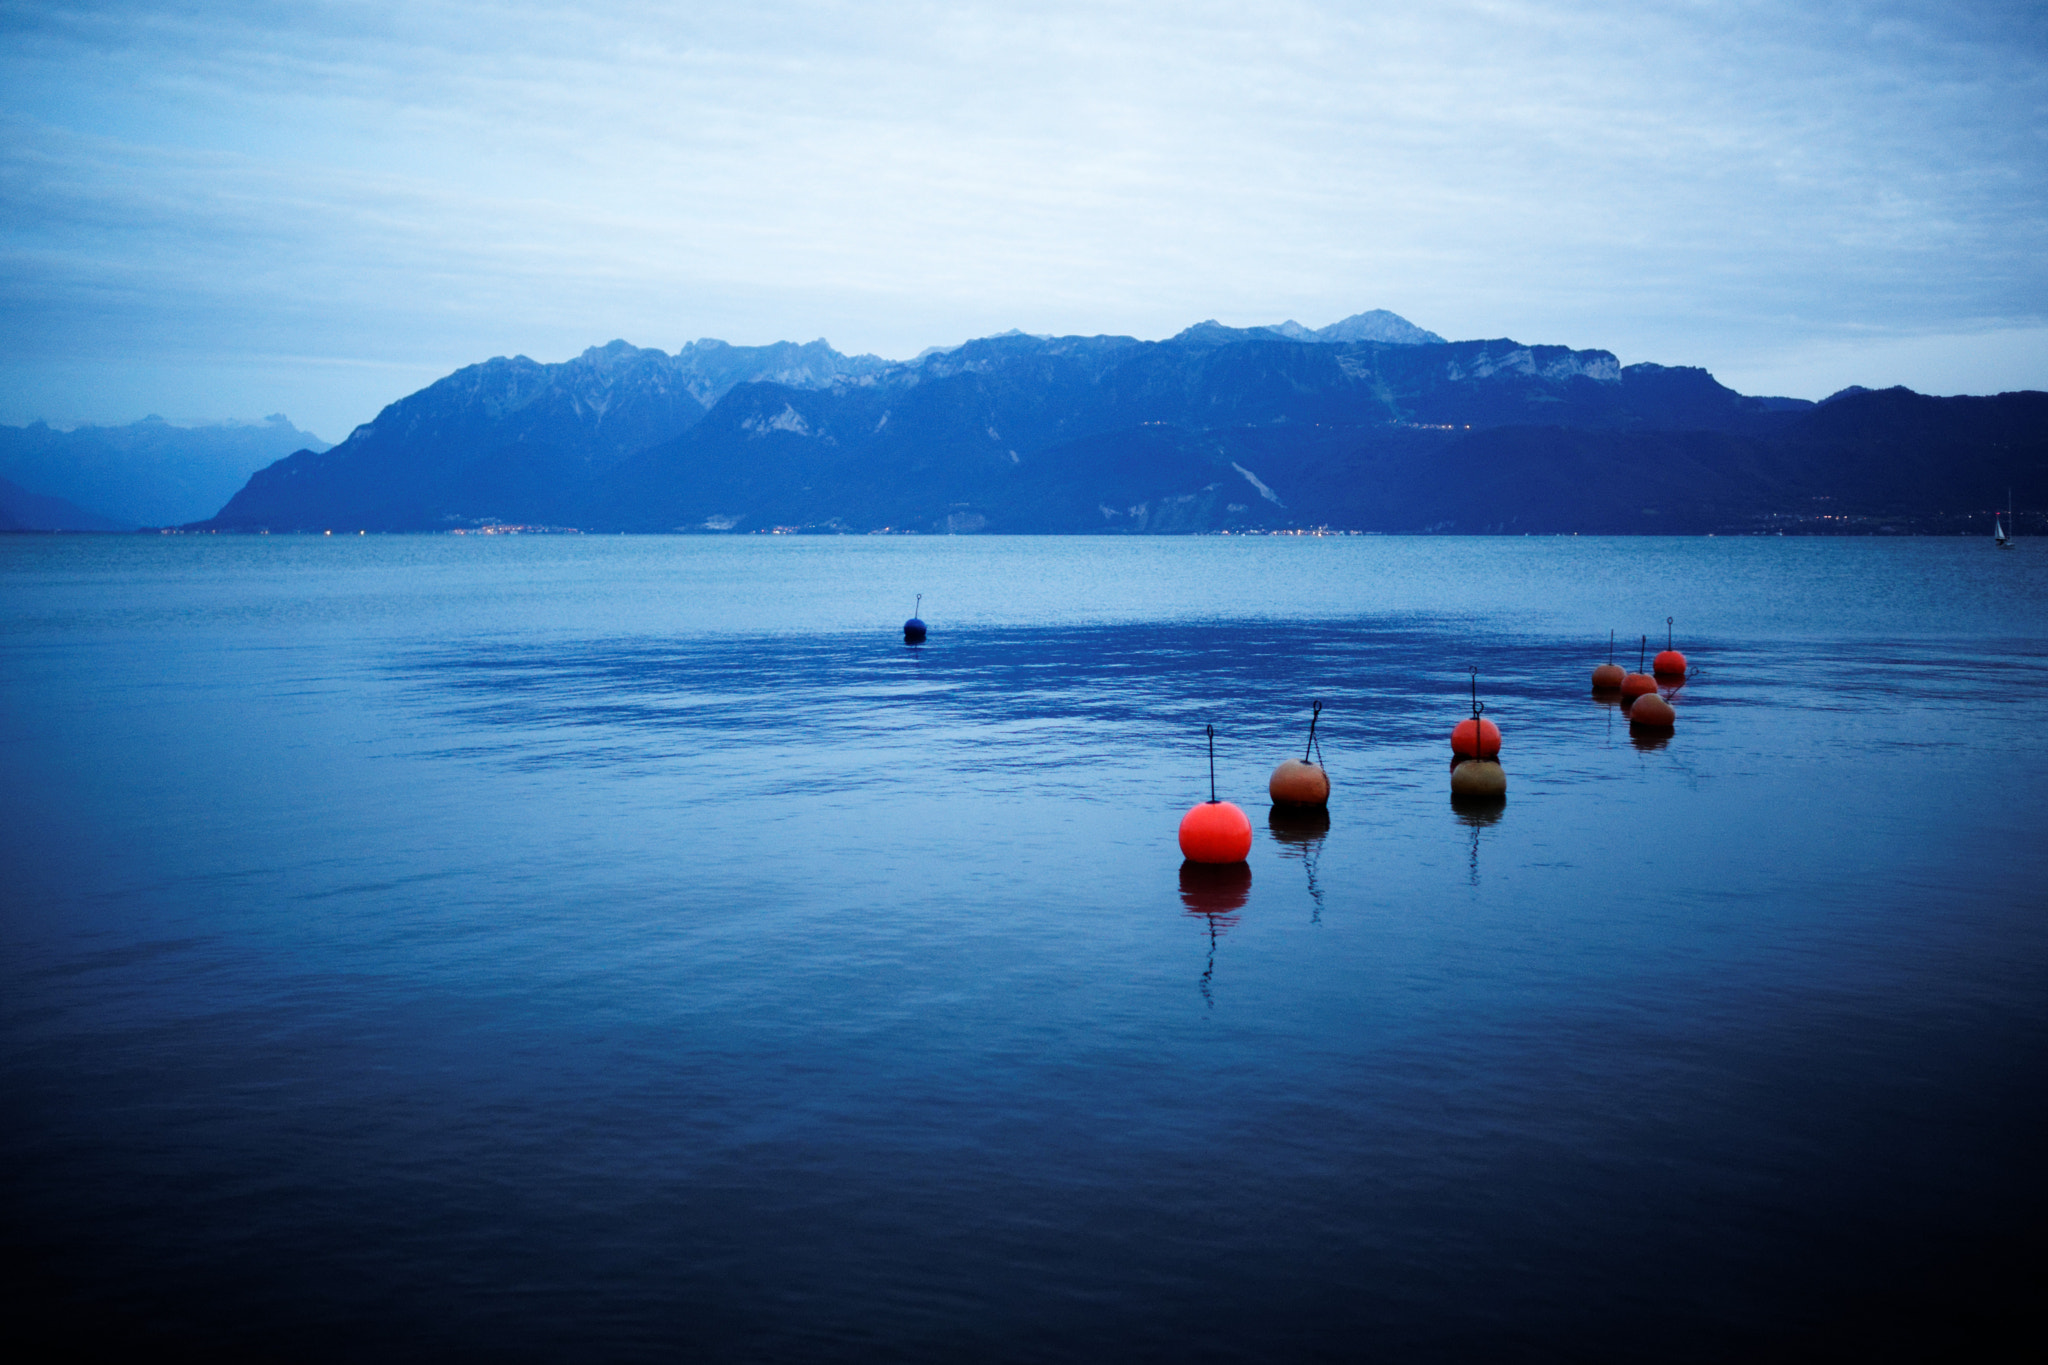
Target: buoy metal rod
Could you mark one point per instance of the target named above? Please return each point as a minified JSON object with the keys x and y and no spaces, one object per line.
{"x":1212,"y":763}
{"x":1667,"y":633}
{"x":1610,"y":646}
{"x":1643,"y":656}
{"x":1313,"y":716}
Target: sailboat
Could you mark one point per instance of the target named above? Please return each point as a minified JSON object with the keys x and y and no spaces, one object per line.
{"x":1998,"y":535}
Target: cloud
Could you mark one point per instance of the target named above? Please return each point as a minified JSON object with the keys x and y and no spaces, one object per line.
{"x":423,"y":186}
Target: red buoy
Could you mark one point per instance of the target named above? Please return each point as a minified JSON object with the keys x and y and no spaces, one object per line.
{"x":1651,"y":712}
{"x":1208,"y":889}
{"x":1488,"y":739}
{"x":1473,"y":737}
{"x":1215,"y":831}
{"x":1669,"y":663}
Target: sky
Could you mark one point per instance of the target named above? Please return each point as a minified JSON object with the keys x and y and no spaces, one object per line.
{"x":223,"y":210}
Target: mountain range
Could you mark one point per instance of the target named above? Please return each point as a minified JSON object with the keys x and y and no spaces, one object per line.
{"x":148,"y":473}
{"x":1371,"y":424}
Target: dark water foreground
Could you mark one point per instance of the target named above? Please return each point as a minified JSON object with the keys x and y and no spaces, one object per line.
{"x":557,"y":949}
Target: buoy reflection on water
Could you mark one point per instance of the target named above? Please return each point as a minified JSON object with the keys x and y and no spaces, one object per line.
{"x":1300,"y":826}
{"x":1214,"y":893}
{"x":1215,"y":888}
{"x":1299,"y":833}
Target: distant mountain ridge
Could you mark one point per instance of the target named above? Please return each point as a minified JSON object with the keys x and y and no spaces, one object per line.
{"x":148,"y":473}
{"x":513,"y":433}
{"x":1369,"y":424}
{"x":1377,"y":325}
{"x":21,"y":510}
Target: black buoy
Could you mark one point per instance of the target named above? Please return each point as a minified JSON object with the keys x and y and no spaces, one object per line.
{"x":913,"y":629}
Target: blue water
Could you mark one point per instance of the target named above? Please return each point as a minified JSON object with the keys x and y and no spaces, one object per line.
{"x":545,"y":948}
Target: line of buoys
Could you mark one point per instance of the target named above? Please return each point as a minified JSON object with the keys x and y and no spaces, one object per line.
{"x":1607,"y":677}
{"x":1298,"y":782}
{"x":1476,"y":774}
{"x":913,"y":629}
{"x":1669,"y":663}
{"x":1641,"y":683}
{"x":1215,"y":831}
{"x":1215,"y":834}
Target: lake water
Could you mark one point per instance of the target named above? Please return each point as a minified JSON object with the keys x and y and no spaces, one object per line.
{"x":576,"y":948}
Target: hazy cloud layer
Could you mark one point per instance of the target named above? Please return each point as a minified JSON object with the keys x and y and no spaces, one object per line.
{"x":224,"y":209}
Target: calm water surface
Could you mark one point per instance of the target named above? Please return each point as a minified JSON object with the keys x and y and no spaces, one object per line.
{"x":629,"y":949}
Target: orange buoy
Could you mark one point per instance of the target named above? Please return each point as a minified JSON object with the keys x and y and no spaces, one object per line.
{"x":1651,"y":712}
{"x":1298,"y":782}
{"x":1488,"y":741}
{"x":1215,"y":831}
{"x":1608,"y":676}
{"x":1669,"y":663}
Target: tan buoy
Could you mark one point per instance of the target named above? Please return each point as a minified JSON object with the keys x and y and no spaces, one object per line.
{"x":1607,"y":677}
{"x":1478,"y":779}
{"x":1298,"y":782}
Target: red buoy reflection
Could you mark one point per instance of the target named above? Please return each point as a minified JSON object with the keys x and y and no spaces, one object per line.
{"x":1215,"y":888}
